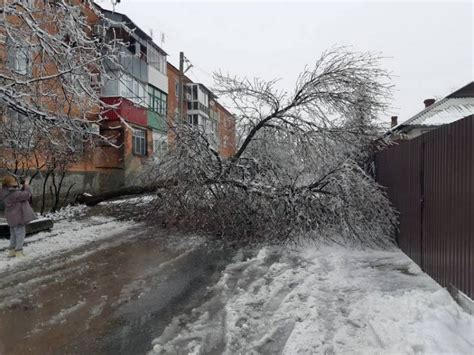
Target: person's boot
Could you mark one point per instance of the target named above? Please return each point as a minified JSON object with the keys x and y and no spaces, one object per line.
{"x":19,"y":254}
{"x":11,"y":253}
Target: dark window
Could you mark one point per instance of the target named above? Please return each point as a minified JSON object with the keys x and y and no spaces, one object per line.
{"x":157,"y":100}
{"x":139,"y":142}
{"x":193,"y":119}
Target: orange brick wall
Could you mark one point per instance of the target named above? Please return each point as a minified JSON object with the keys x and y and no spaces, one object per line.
{"x":226,"y":132}
{"x":173,"y":78}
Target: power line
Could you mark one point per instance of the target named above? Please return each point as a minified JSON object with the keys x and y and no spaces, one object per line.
{"x":205,"y":72}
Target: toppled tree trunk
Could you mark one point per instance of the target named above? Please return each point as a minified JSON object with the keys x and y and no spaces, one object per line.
{"x":93,"y":200}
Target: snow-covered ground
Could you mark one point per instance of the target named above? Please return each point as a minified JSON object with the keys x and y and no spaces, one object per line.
{"x":325,"y":300}
{"x":69,"y":232}
{"x":135,"y":201}
{"x":306,"y":300}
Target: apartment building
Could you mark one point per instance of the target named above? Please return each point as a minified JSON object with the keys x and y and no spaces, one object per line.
{"x":140,"y":100}
{"x":202,"y":109}
{"x":226,"y":131}
{"x":138,"y":93}
{"x":22,"y":60}
{"x":144,"y":94}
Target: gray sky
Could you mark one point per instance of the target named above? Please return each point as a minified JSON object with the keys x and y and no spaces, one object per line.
{"x":429,"y":45}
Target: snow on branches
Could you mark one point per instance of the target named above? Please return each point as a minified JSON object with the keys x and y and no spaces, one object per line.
{"x":300,"y":166}
{"x":55,"y":58}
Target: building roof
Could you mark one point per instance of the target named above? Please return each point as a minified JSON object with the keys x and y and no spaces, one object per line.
{"x":453,"y":107}
{"x":205,"y":88}
{"x":119,"y":17}
{"x":222,"y":108}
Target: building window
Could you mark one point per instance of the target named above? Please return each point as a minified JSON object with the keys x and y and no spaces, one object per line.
{"x":192,"y":91}
{"x":19,"y":59}
{"x":193,"y":105}
{"x":132,"y":89}
{"x":139,"y":142}
{"x":193,"y":119}
{"x":17,"y":131}
{"x":160,"y":143}
{"x":157,"y":100}
{"x":156,"y":59}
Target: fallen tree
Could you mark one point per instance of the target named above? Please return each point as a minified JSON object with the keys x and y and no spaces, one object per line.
{"x":93,"y":200}
{"x":300,"y":166}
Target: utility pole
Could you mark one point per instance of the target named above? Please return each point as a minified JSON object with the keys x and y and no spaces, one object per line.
{"x":180,"y":86}
{"x":182,"y":60}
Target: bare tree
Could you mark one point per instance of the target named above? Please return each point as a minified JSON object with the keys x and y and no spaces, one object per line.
{"x":56,"y":55}
{"x":26,"y":152}
{"x":299,"y":167}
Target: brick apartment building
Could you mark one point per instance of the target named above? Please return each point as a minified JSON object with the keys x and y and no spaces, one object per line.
{"x":23,"y":60}
{"x":138,"y":91}
{"x":202,"y":108}
{"x":143,"y":92}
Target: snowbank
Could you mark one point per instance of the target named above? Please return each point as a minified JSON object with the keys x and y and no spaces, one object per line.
{"x":323,"y":300}
{"x":136,"y":201}
{"x":69,"y":232}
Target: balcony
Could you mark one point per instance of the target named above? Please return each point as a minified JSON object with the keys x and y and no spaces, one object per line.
{"x":196,"y":107}
{"x":157,"y":121}
{"x":124,"y":109}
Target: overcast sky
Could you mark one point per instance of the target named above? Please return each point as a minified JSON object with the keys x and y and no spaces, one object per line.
{"x":428,"y":45}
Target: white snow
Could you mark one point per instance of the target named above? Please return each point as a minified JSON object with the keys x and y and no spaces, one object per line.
{"x":445,"y":111}
{"x":68,"y":212}
{"x":136,"y":201}
{"x":69,"y":232}
{"x":325,"y":300}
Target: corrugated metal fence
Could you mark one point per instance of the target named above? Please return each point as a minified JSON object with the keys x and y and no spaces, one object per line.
{"x":430,"y":180}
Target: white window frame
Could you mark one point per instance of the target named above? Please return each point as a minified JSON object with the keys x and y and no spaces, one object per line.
{"x":139,"y":142}
{"x":156,"y":59}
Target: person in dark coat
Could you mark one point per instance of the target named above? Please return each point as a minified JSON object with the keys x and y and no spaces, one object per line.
{"x":18,"y":212}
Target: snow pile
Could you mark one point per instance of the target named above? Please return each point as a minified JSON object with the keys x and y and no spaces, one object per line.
{"x":67,"y":212}
{"x":66,"y":234}
{"x":326,"y":300}
{"x":136,"y":201}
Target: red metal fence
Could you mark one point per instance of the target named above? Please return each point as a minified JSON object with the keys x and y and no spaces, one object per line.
{"x":430,"y":181}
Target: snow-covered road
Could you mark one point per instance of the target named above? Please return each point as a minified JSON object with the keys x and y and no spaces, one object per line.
{"x":95,"y":284}
{"x":323,"y":301}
